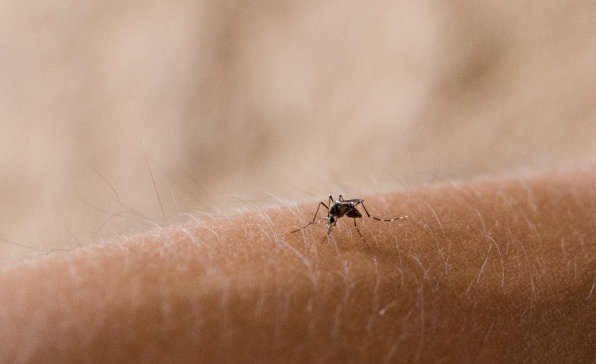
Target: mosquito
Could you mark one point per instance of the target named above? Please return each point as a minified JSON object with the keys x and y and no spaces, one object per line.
{"x":340,"y":208}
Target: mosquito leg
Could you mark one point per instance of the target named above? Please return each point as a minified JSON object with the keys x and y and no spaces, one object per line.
{"x":313,"y":219}
{"x":359,"y":233}
{"x":376,"y":218}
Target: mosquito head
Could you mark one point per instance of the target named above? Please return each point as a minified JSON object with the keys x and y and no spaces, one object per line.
{"x":331,"y":219}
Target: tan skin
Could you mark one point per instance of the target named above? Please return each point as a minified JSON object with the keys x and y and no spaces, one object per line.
{"x":494,"y":270}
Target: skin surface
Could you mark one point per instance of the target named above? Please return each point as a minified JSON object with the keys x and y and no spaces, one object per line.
{"x":264,"y":96}
{"x":489,"y":270}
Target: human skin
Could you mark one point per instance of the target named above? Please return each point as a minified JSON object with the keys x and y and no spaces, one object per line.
{"x":486,"y":270}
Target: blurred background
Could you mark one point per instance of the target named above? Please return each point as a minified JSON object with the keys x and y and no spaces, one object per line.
{"x":233,"y":104}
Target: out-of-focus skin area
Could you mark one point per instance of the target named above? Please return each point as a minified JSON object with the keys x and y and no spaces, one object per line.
{"x":233,"y":104}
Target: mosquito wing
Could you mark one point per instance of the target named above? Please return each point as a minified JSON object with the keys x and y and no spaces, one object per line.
{"x":355,"y":201}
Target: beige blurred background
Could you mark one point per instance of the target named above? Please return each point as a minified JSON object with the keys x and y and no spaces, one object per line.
{"x":235,"y":104}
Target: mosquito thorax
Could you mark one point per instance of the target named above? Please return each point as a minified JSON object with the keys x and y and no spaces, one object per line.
{"x":335,"y":208}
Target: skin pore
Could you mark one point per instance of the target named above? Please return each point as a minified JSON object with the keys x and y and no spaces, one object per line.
{"x":487,"y":270}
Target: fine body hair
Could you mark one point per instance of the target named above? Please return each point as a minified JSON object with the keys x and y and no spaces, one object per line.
{"x":485,"y":270}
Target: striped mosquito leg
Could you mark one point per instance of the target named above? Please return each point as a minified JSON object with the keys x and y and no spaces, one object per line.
{"x":359,"y":233}
{"x":397,"y":218}
{"x":313,"y":219}
{"x":376,"y":218}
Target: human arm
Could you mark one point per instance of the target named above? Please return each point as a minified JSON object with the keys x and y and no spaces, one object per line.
{"x":488,"y":270}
